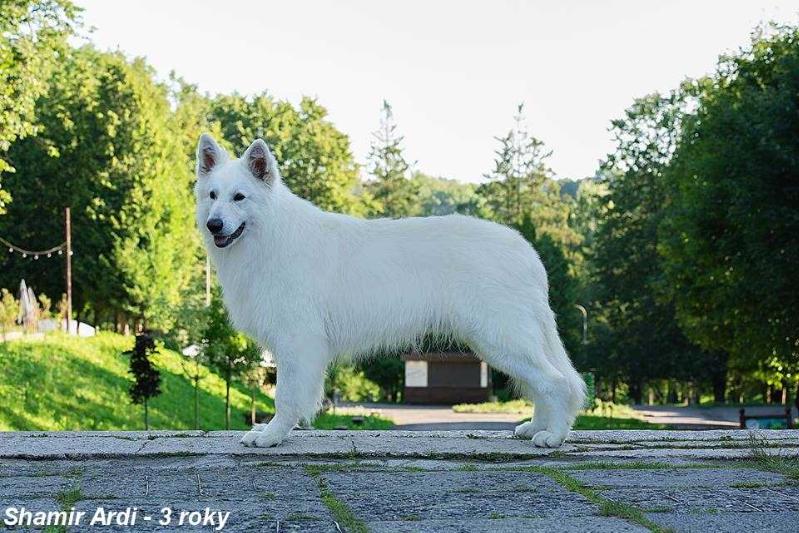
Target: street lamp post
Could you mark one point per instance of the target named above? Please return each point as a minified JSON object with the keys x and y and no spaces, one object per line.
{"x":584,"y":312}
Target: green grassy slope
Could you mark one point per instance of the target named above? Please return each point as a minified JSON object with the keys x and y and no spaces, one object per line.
{"x":68,"y":383}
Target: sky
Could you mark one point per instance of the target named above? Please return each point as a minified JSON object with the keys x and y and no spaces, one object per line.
{"x":453,"y":71}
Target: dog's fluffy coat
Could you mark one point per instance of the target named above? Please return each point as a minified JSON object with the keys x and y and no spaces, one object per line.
{"x":311,"y":285}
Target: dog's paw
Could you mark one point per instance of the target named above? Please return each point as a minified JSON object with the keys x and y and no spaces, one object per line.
{"x":267,"y":439}
{"x":527,"y":430}
{"x":249,"y":438}
{"x":547,"y":439}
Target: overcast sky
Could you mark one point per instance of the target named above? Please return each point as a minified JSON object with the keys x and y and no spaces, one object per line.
{"x":453,"y":70}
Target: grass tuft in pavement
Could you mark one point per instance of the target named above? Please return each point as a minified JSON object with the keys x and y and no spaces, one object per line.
{"x":340,"y":510}
{"x":607,"y":507}
{"x":625,"y":465}
{"x":320,"y":468}
{"x":787,"y":466}
{"x":67,"y":498}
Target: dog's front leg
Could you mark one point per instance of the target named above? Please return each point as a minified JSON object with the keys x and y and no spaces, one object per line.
{"x":300,"y":385}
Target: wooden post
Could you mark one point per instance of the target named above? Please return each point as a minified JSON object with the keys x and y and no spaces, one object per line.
{"x":207,"y":281}
{"x":68,"y":238}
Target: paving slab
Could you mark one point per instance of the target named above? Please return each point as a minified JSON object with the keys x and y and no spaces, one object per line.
{"x":513,"y":525}
{"x":677,"y":478}
{"x":401,"y":481}
{"x":708,"y":500}
{"x":462,"y":495}
{"x":728,"y":522}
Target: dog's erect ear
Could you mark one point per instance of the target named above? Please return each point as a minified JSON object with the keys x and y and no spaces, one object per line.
{"x":259,"y":160}
{"x":209,"y":155}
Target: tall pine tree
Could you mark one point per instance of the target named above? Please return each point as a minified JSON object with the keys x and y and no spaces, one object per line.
{"x":395,"y":193}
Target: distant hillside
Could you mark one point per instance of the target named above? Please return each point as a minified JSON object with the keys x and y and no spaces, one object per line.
{"x":69,"y":383}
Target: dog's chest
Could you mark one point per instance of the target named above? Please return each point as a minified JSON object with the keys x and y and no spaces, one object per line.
{"x":256,"y":302}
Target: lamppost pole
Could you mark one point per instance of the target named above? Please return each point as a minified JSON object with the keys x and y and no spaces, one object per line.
{"x":68,"y":253}
{"x":207,"y":281}
{"x":584,"y":312}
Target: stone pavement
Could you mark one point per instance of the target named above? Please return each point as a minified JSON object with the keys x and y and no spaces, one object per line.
{"x":389,"y":481}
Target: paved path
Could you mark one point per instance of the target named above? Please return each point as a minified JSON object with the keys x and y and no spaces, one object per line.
{"x":396,"y":481}
{"x":703,"y":417}
{"x":439,"y":417}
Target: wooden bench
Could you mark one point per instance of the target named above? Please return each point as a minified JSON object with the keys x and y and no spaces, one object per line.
{"x":767,"y":421}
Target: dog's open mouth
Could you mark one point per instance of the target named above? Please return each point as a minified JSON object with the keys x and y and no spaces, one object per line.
{"x":224,"y":240}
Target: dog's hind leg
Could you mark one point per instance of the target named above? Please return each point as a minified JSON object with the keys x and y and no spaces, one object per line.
{"x":523,"y":357}
{"x":300,"y":385}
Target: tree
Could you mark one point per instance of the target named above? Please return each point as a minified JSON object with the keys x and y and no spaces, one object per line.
{"x":563,"y":287}
{"x":229,"y":353}
{"x":146,"y":378}
{"x":730,"y":237}
{"x":441,"y":196}
{"x":255,"y":378}
{"x":395,"y":194}
{"x":314,"y":157}
{"x":520,"y":170}
{"x":387,"y":370}
{"x":107,"y":147}
{"x":521,"y":186}
{"x":642,"y":339}
{"x":9,"y":310}
{"x":33,"y":36}
{"x":191,"y":322}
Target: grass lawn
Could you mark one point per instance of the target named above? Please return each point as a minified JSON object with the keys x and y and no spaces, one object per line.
{"x":74,"y":383}
{"x":607,"y":416}
{"x":606,"y":422}
{"x":81,"y":383}
{"x":331,"y":421}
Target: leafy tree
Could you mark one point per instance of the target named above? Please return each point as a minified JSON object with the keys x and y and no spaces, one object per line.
{"x":391,"y":188}
{"x":440,"y":196}
{"x":730,"y":237}
{"x":9,"y":309}
{"x":255,"y":378}
{"x":230,"y":354}
{"x":146,"y":378}
{"x":585,"y":206}
{"x":641,"y":338}
{"x":388,"y":372}
{"x":521,"y":186}
{"x":32,"y":38}
{"x":563,"y":288}
{"x":350,"y":384}
{"x":194,"y":369}
{"x":107,"y":147}
{"x":315,"y":158}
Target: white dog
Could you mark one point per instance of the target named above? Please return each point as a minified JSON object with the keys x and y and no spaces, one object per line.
{"x":311,"y":285}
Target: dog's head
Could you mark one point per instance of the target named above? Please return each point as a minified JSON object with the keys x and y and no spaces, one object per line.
{"x":231,"y":192}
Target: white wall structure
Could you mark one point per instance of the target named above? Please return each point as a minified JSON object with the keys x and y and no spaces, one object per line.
{"x":416,"y":373}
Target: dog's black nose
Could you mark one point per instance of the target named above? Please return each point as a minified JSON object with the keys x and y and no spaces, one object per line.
{"x":215,"y":225}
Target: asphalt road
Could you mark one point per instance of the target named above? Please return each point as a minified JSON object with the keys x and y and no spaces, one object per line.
{"x":441,"y":417}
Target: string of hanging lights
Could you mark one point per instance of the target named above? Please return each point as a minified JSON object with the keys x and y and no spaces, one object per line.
{"x":35,"y":254}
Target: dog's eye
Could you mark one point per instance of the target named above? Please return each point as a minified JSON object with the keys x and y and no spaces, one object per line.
{"x":239,"y":197}
{"x":213,"y":195}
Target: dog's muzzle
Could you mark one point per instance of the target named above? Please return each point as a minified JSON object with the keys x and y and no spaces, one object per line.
{"x":224,"y":240}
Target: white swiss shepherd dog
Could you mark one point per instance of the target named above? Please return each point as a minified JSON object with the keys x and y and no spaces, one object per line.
{"x":310,"y":285}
